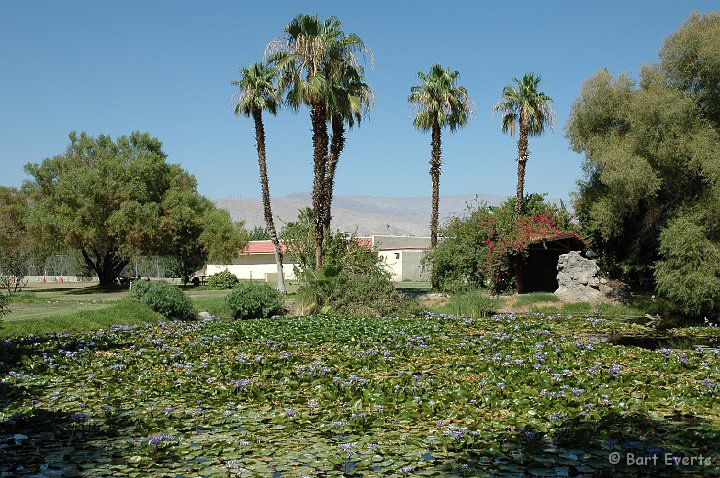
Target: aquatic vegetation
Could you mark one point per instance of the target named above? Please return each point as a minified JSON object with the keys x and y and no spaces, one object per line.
{"x":434,"y":395}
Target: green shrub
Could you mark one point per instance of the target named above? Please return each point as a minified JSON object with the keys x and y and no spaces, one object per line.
{"x":367,"y":292}
{"x":689,"y":272}
{"x":254,"y":300}
{"x":353,"y":281}
{"x":4,"y":301}
{"x":222,"y":280}
{"x":164,"y":298}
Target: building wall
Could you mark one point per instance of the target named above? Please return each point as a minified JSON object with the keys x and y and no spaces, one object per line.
{"x":405,"y":265}
{"x":412,"y":268}
{"x":393,"y":263}
{"x":254,"y":266}
{"x":401,"y":255}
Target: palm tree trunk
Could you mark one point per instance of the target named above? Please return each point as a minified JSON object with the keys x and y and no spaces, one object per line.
{"x":265,"y":188}
{"x":337,"y":144}
{"x":318,"y":117}
{"x":435,"y":170}
{"x":522,"y":161}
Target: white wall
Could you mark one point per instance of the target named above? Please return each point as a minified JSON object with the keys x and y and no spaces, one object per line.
{"x":254,"y":266}
{"x":393,"y":263}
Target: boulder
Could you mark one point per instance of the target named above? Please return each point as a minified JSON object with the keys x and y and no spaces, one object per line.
{"x":578,"y":281}
{"x":204,"y":315}
{"x":617,"y":291}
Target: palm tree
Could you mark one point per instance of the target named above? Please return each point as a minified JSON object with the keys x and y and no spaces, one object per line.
{"x":440,"y":103}
{"x":257,"y":93}
{"x":350,"y":97}
{"x":532,"y":111}
{"x":301,"y":56}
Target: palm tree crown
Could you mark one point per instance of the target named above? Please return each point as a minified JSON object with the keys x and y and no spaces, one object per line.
{"x":256,"y":90}
{"x":439,"y":99}
{"x":525,"y":104}
{"x":303,"y":54}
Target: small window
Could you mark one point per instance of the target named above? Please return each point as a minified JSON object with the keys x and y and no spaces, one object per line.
{"x":397,"y":255}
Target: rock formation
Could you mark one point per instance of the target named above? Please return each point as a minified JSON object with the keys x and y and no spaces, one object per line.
{"x":578,"y":281}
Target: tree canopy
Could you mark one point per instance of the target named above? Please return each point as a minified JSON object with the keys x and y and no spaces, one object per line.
{"x":651,"y":191}
{"x":16,"y":245}
{"x":116,"y":200}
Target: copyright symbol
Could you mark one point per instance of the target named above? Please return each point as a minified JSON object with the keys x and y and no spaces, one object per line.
{"x":614,"y":458}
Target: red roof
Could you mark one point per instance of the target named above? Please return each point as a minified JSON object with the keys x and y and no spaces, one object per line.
{"x":366,"y":242}
{"x":266,"y":246}
{"x":262,"y":247}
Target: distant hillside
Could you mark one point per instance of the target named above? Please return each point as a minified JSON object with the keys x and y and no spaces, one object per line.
{"x":366,"y":214}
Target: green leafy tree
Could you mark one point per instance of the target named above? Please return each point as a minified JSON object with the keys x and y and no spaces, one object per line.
{"x":651,"y":189}
{"x":196,"y":231}
{"x":690,"y":61}
{"x":258,"y":233}
{"x":258,"y":93}
{"x":528,"y":110}
{"x":300,"y":239}
{"x":16,"y":246}
{"x":302,"y":57}
{"x":689,"y":271}
{"x":115,"y":200}
{"x":440,"y":103}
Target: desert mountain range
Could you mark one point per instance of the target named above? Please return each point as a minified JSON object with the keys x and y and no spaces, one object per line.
{"x":365,"y":214}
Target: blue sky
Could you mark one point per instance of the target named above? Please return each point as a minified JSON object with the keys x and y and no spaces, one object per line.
{"x":165,"y":67}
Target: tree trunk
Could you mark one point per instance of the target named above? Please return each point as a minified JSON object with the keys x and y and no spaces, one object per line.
{"x":318,"y":117}
{"x":337,"y":144}
{"x":522,"y":161}
{"x":108,"y":267}
{"x":435,"y":171}
{"x":265,"y":188}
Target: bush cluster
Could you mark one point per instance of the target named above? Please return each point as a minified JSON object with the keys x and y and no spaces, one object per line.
{"x":254,"y":300}
{"x":222,"y":280}
{"x":163,"y":298}
{"x":480,"y":249}
{"x":353,"y":281}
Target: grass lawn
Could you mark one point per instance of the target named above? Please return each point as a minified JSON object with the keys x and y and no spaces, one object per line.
{"x":505,"y":395}
{"x":68,"y":308}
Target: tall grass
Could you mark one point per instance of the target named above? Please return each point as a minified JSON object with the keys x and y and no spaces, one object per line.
{"x":472,"y":304}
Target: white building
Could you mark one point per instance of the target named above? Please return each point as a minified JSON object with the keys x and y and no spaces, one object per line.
{"x":256,"y":261}
{"x":401,"y":254}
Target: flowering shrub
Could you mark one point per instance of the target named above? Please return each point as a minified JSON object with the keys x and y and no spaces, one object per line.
{"x":480,"y":249}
